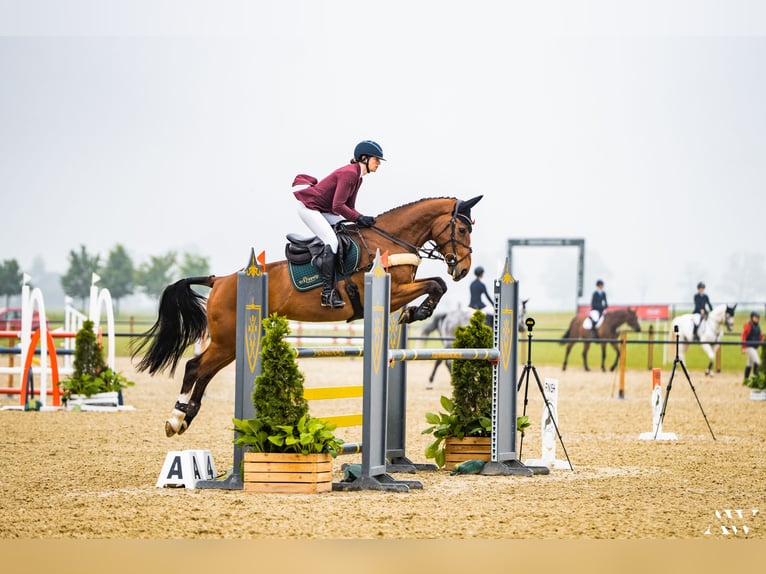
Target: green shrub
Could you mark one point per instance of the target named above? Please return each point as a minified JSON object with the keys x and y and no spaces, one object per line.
{"x":282,"y":422}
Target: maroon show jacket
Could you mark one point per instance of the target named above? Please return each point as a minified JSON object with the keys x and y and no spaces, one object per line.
{"x":334,"y":194}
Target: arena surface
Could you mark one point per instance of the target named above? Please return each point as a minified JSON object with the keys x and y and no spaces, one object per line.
{"x":81,"y":475}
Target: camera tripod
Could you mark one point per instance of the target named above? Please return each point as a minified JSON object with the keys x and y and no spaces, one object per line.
{"x":677,"y":361}
{"x":524,"y":378}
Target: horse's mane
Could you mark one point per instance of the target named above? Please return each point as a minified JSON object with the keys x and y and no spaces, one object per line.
{"x":413,"y":203}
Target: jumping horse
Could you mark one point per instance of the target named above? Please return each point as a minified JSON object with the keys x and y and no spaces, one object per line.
{"x":607,"y":330}
{"x":709,"y":331}
{"x":432,"y":228}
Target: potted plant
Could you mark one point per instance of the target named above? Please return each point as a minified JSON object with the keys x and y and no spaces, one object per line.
{"x":285,"y":449}
{"x":93,"y":383}
{"x":757,"y":381}
{"x":464,"y":431}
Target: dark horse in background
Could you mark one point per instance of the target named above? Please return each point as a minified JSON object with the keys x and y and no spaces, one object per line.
{"x":607,"y":330}
{"x":434,"y":228}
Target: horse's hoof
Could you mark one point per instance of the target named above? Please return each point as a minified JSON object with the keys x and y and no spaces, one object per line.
{"x":169,"y":430}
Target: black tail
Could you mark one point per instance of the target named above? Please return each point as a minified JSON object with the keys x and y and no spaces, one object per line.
{"x":566,"y":335}
{"x":181,"y":321}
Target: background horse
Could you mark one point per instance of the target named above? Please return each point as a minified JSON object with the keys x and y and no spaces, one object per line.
{"x":709,"y":331}
{"x":435,"y":228}
{"x":608,"y":330}
{"x":446,"y":324}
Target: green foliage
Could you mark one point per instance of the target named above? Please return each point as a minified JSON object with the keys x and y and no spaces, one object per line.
{"x":282,"y":422}
{"x":469,"y":411}
{"x":117,"y":274}
{"x":758,"y":379}
{"x":307,"y":436}
{"x":91,"y":375}
{"x":10,"y":279}
{"x":152,"y":277}
{"x":193,"y":265}
{"x":278,"y":392}
{"x":76,"y":282}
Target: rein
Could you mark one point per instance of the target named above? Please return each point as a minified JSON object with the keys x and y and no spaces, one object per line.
{"x":431,"y":249}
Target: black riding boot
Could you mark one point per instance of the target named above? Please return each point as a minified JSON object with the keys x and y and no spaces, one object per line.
{"x":329,"y":293}
{"x":694,"y":333}
{"x":747,"y":372}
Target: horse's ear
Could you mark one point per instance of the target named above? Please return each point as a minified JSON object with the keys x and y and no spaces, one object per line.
{"x":465,"y":206}
{"x":463,"y":210}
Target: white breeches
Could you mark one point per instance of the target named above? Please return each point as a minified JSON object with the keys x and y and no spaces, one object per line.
{"x":321,"y":224}
{"x":752,"y":357}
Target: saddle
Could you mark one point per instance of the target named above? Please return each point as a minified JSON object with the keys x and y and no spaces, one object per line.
{"x":304,"y":250}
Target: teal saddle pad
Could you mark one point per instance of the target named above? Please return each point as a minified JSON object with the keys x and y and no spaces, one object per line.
{"x":306,"y":276}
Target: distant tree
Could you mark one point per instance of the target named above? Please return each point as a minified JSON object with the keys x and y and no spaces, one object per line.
{"x":117,"y":274}
{"x":77,"y":280}
{"x":194,"y":265}
{"x":154,"y":276}
{"x":10,"y":279}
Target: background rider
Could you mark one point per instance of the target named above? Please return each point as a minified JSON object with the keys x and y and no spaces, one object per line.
{"x":751,"y":336}
{"x":701,"y":307}
{"x":598,"y":306}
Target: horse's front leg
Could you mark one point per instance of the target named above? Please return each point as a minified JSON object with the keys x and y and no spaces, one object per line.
{"x":566,"y":356}
{"x":616,"y":357}
{"x":403,"y":293}
{"x":711,"y":356}
{"x":585,"y":347}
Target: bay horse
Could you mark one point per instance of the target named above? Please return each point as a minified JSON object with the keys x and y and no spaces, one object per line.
{"x":709,"y":331}
{"x":434,"y":228}
{"x":607,"y":330}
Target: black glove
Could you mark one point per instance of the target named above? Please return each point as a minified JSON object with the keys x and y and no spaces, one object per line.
{"x":365,"y":221}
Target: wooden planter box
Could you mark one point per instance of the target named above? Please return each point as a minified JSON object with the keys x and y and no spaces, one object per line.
{"x":287,"y":473}
{"x":460,"y":450}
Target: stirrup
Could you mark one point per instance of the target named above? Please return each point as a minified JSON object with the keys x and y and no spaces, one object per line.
{"x":331,"y":299}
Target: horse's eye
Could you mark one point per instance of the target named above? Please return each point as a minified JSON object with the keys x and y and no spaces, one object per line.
{"x":462,"y":230}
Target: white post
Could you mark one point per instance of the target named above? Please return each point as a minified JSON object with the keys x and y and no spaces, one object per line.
{"x":657,"y":411}
{"x":549,"y":424}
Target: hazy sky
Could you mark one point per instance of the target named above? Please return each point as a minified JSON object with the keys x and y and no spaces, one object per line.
{"x":638,"y":126}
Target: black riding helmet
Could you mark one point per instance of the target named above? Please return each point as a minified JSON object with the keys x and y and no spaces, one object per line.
{"x":700,"y":285}
{"x":479,"y":271}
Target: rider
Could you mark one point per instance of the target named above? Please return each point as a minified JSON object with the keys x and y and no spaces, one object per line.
{"x":325,"y":203}
{"x":598,"y":305}
{"x":478,"y":289}
{"x":701,"y":307}
{"x":751,"y":335}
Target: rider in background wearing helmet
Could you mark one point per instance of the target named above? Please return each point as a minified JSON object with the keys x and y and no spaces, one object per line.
{"x":479,"y":290}
{"x":333,"y":199}
{"x":751,"y":336}
{"x":598,"y":305}
{"x":701,"y":307}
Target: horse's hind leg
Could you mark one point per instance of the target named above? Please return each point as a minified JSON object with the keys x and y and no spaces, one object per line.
{"x":199,"y":371}
{"x":176,"y":422}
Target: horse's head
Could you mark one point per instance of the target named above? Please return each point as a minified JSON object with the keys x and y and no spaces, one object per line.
{"x":730,"y":317}
{"x":452,"y":234}
{"x":632,"y":320}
